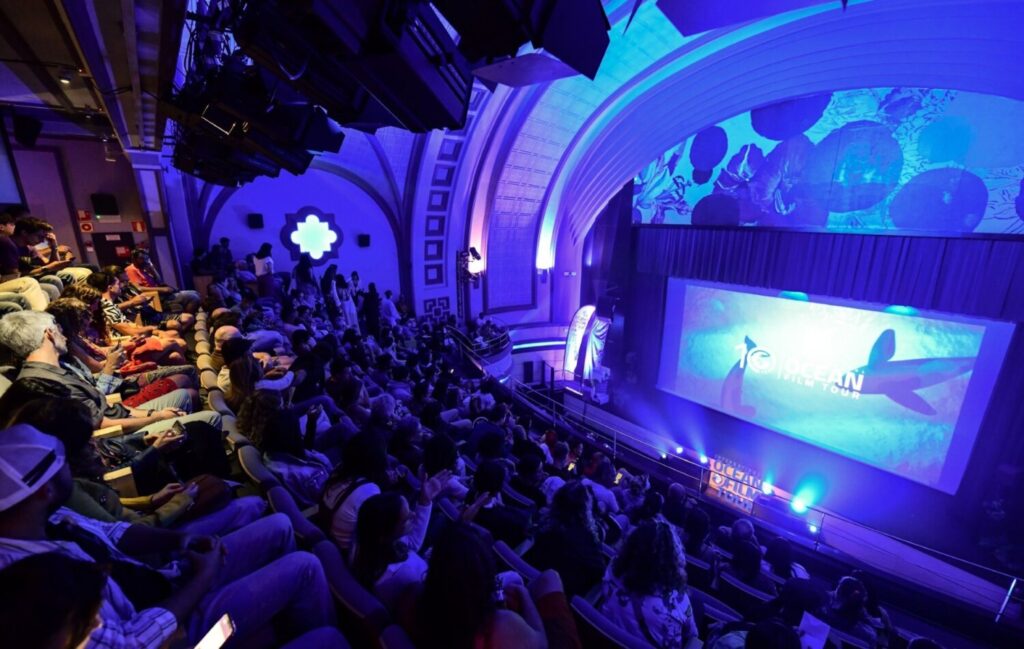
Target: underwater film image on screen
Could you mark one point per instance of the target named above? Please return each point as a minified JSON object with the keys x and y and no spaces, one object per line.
{"x":891,"y":387}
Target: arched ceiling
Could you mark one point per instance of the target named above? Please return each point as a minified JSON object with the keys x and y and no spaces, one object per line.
{"x":575,"y":142}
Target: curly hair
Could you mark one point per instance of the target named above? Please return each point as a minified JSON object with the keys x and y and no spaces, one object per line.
{"x":571,"y":508}
{"x":651,"y":561}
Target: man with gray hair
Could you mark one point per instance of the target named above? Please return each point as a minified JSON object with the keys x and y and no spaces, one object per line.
{"x":35,"y":338}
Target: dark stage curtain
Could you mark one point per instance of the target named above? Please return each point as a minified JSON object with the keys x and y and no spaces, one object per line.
{"x":970,"y":276}
{"x":983,"y":277}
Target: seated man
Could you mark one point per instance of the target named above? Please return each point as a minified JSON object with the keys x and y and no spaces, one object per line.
{"x":254,"y":574}
{"x":110,"y":288}
{"x":14,"y":238}
{"x":143,"y":275}
{"x":37,"y":341}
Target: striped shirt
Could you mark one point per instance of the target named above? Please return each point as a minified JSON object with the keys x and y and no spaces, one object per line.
{"x":122,"y":626}
{"x":112,"y":313}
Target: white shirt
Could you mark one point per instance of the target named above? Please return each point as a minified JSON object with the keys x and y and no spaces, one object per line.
{"x":263,"y":266}
{"x":343,"y":525}
{"x":399,"y":575}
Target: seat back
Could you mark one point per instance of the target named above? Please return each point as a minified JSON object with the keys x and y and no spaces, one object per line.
{"x":743,"y":598}
{"x":698,"y":573}
{"x":364,"y":618}
{"x":251,"y":460}
{"x":395,"y":637}
{"x":846,"y":641}
{"x":281,"y":501}
{"x":513,"y":561}
{"x":217,"y":402}
{"x":599,"y":632}
{"x":208,"y":379}
{"x":710,"y":610}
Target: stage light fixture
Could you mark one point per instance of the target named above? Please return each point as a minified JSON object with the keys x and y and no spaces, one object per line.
{"x":679,"y":450}
{"x":664,"y":455}
{"x":767,"y":488}
{"x":65,"y":75}
{"x":799,"y":505}
{"x":812,"y":528}
{"x":703,"y":459}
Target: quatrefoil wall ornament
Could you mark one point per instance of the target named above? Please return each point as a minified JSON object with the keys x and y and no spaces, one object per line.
{"x":311,"y":231}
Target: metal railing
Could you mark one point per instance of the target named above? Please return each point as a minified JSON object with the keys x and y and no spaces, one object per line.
{"x":989,"y":588}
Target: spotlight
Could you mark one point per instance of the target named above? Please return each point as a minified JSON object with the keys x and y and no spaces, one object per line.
{"x":65,"y":75}
{"x":476,"y":255}
{"x":799,"y":505}
{"x":664,"y":455}
{"x":767,"y":488}
{"x":812,"y":528}
{"x":679,"y":450}
{"x":703,"y":459}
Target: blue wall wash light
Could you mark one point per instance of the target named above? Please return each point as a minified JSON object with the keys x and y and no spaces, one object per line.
{"x":313,"y":232}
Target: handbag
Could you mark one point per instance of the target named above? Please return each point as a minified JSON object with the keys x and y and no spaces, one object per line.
{"x":114,"y":452}
{"x":213,"y":495}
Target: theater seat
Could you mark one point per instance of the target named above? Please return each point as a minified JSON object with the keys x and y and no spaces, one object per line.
{"x":208,"y":379}
{"x":513,"y":561}
{"x":846,"y":641}
{"x":363,"y":617}
{"x":204,"y":362}
{"x":710,"y":610}
{"x":217,"y":402}
{"x":743,"y":598}
{"x":395,"y":637}
{"x":281,"y":501}
{"x":252,"y":463}
{"x":447,"y":508}
{"x":698,"y":573}
{"x":599,"y":632}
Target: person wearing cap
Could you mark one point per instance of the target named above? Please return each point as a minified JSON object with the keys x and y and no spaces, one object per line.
{"x":36,"y":339}
{"x":253,"y":574}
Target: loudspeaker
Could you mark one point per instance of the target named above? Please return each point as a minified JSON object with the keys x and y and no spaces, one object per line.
{"x":255,"y":220}
{"x":104,"y":205}
{"x":363,"y":240}
{"x":26,"y":130}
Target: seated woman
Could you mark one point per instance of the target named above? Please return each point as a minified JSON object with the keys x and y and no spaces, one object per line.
{"x":389,"y":536}
{"x":645,"y":588}
{"x":746,"y":566}
{"x":289,"y":451}
{"x":361,"y":474}
{"x":148,"y":344}
{"x":464,"y":604}
{"x":569,"y":542}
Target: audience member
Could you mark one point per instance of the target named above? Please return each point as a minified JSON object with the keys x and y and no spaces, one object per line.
{"x":569,"y":542}
{"x":745,"y":565}
{"x":253,"y":574}
{"x":645,"y":588}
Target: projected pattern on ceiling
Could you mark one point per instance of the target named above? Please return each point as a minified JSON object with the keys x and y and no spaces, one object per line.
{"x":876,"y":159}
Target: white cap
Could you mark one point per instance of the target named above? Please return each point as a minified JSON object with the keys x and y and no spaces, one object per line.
{"x":28,"y":459}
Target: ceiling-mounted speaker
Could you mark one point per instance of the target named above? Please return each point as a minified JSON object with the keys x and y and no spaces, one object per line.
{"x":104,"y":205}
{"x":363,"y":240}
{"x":255,"y":220}
{"x":26,"y":130}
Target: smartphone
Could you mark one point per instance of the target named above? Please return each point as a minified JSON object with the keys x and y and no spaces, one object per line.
{"x":179,"y":429}
{"x":572,"y":466}
{"x":618,"y":477}
{"x":219,"y":634}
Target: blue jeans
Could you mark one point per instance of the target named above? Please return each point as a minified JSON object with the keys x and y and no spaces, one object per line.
{"x":264,"y":578}
{"x":235,"y":515}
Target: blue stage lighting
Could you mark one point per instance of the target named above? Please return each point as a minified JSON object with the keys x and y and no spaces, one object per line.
{"x":679,"y":450}
{"x":767,"y":488}
{"x":664,"y":455}
{"x":812,"y":528}
{"x":799,"y":505}
{"x":703,"y":459}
